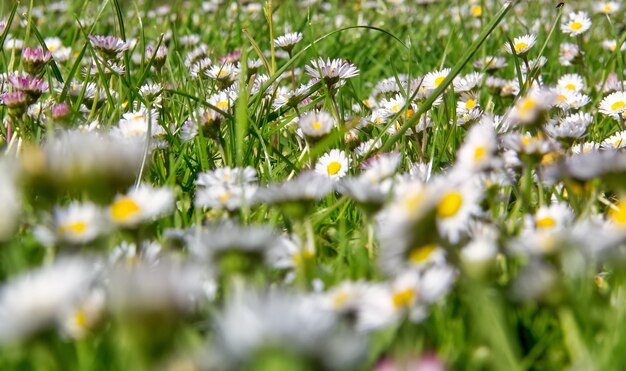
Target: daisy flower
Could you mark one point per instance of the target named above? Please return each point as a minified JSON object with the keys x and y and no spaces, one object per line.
{"x":585,"y":147}
{"x":567,"y":53}
{"x":135,"y":124}
{"x":614,"y":104}
{"x":288,"y":41}
{"x":527,"y":109}
{"x":227,"y":176}
{"x":570,"y":127}
{"x":141,"y":205}
{"x":60,"y":53}
{"x":456,"y":204}
{"x":606,"y":7}
{"x":432,"y":80}
{"x":573,"y":82}
{"x":228,"y":197}
{"x":615,"y":141}
{"x":78,"y":223}
{"x":466,"y":103}
{"x":225,"y":73}
{"x":569,"y":99}
{"x":556,"y":216}
{"x":84,"y":315}
{"x":35,"y":60}
{"x":467,"y":82}
{"x":109,"y":47}
{"x":315,"y":124}
{"x":333,"y":164}
{"x":331,"y":71}
{"x":37,"y":300}
{"x":576,"y":23}
{"x":478,"y":149}
{"x":521,"y":44}
{"x":611,"y":45}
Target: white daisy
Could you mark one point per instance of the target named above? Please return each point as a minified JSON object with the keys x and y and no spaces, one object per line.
{"x":226,"y":72}
{"x":614,"y":104}
{"x":288,"y":41}
{"x":78,"y":222}
{"x":38,"y":299}
{"x":521,"y":44}
{"x":457,"y":202}
{"x":478,"y":149}
{"x":615,"y":141}
{"x":331,"y":71}
{"x":611,"y":45}
{"x":606,"y":7}
{"x":141,"y":205}
{"x":135,"y":124}
{"x":576,"y":23}
{"x":555,"y":216}
{"x":572,"y":82}
{"x":433,"y":79}
{"x":467,"y":82}
{"x":333,"y":164}
{"x":466,"y":103}
{"x":567,"y":53}
{"x":316,"y":123}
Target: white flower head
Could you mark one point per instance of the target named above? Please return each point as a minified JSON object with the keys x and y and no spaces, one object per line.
{"x":288,"y":41}
{"x":316,"y":123}
{"x":79,"y":222}
{"x":576,"y":23}
{"x":521,"y":44}
{"x":432,"y":80}
{"x":140,"y":205}
{"x":334,"y":164}
{"x":614,"y":104}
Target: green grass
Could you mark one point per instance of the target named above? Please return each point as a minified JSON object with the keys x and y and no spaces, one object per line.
{"x":572,"y":320}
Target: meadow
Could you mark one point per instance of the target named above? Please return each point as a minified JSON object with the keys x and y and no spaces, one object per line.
{"x":381,"y":185}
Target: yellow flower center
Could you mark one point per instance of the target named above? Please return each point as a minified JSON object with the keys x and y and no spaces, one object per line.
{"x":545,"y":222}
{"x":520,"y":46}
{"x":479,"y":153}
{"x":124,"y":208}
{"x":476,"y":10}
{"x":607,"y":8}
{"x":340,"y":299}
{"x":73,"y":228}
{"x":302,"y":257}
{"x":222,"y":105}
{"x":317,"y":125}
{"x":138,"y":117}
{"x":395,"y":108}
{"x":224,"y":197}
{"x":576,"y":25}
{"x":414,"y":200}
{"x":80,"y":319}
{"x":526,"y":105}
{"x":618,"y":216}
{"x":439,"y":80}
{"x":403,"y":298}
{"x":333,"y":168}
{"x":51,"y":48}
{"x":570,"y":87}
{"x":617,"y":105}
{"x":471,"y":103}
{"x":420,"y":254}
{"x":449,"y":205}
